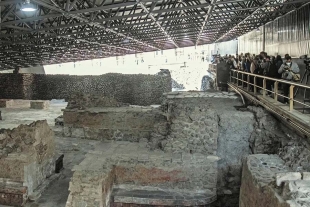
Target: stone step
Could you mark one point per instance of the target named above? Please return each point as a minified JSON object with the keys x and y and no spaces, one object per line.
{"x":160,"y":197}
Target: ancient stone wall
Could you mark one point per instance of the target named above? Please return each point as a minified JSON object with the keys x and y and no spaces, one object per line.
{"x":132,"y":167}
{"x":268,"y":182}
{"x":119,"y":123}
{"x":134,"y":89}
{"x":26,"y":158}
{"x":271,"y":136}
{"x":83,"y":101}
{"x":10,"y":86}
{"x":203,"y":122}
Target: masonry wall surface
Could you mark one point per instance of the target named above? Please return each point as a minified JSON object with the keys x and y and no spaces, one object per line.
{"x":134,"y":89}
{"x":27,"y":158}
{"x":119,"y":123}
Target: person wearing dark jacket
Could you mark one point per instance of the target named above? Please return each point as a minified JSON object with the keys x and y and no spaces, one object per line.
{"x":287,"y":70}
{"x":270,"y":71}
{"x":279,"y":62}
{"x":247,"y":65}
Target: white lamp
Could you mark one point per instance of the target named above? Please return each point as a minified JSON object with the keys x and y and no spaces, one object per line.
{"x":28,"y":7}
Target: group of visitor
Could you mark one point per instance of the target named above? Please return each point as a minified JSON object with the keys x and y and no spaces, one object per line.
{"x":270,"y":66}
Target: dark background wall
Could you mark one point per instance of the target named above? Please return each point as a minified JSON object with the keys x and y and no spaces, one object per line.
{"x":133,"y":89}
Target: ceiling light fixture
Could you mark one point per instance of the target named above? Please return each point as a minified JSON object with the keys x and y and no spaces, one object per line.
{"x":28,"y":7}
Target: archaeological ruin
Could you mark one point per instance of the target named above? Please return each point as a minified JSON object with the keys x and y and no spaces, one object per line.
{"x":154,"y":103}
{"x":100,"y":148}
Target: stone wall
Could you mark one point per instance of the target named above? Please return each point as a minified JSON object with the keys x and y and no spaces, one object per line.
{"x":209,"y":123}
{"x":119,"y":123}
{"x":14,"y":103}
{"x":83,"y":101}
{"x":268,"y":182}
{"x":271,"y":136}
{"x":133,"y":169}
{"x":26,"y":159}
{"x":134,"y":89}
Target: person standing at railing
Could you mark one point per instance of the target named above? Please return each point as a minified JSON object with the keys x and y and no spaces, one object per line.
{"x":288,"y":71}
{"x":279,"y":63}
{"x":247,"y":64}
{"x":270,"y":70}
{"x":266,"y":66}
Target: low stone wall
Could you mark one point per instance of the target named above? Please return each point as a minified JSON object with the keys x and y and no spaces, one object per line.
{"x":119,"y":123}
{"x":83,"y":101}
{"x":16,"y":103}
{"x":91,"y":187}
{"x":39,"y":104}
{"x":27,"y":158}
{"x":132,"y":167}
{"x":268,"y":182}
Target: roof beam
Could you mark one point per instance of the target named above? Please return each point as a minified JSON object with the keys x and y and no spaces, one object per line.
{"x":8,"y":2}
{"x":72,"y":14}
{"x":180,"y":8}
{"x":235,"y":27}
{"x":157,"y":23}
{"x":266,"y":4}
{"x":205,"y":21}
{"x":63,"y":13}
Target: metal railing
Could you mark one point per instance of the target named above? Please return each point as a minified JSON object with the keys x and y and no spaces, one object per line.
{"x":234,"y":78}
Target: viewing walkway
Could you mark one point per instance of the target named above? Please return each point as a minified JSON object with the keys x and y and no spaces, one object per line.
{"x":255,"y":88}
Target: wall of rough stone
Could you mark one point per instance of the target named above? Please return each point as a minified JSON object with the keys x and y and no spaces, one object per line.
{"x":196,"y":120}
{"x":83,"y":101}
{"x":268,"y":182}
{"x":119,"y":123}
{"x":27,"y":156}
{"x":135,"y":168}
{"x":10,"y":86}
{"x":135,"y":89}
{"x":209,"y":123}
{"x":193,"y":127}
{"x":272,"y":136}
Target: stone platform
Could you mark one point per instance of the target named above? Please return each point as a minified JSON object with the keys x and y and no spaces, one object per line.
{"x":14,"y":103}
{"x":267,"y":182}
{"x":118,"y":123}
{"x":39,"y":104}
{"x":117,"y":172}
{"x":27,"y":159}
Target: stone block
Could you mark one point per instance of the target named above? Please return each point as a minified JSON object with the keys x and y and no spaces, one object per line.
{"x":39,"y":104}
{"x":27,"y":158}
{"x":77,"y":132}
{"x":67,"y":131}
{"x":120,"y":123}
{"x":6,"y":103}
{"x":306,"y":175}
{"x":287,"y":176}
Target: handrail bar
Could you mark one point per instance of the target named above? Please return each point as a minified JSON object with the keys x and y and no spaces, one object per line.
{"x":274,"y":79}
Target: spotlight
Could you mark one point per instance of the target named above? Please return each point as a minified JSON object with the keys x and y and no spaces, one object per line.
{"x":28,"y":7}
